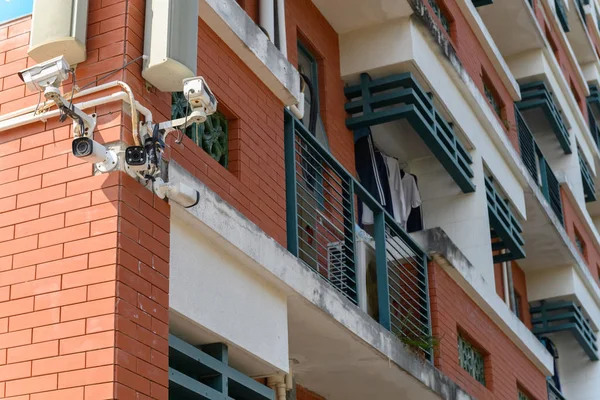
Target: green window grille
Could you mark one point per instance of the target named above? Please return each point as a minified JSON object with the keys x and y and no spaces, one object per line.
{"x":440,"y":14}
{"x":211,"y":135}
{"x":523,"y":396}
{"x":491,"y":98}
{"x":471,"y":360}
{"x":589,"y":187}
{"x":308,"y":66}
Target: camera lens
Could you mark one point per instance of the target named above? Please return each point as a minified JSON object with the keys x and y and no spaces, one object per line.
{"x":83,"y":147}
{"x":135,"y":155}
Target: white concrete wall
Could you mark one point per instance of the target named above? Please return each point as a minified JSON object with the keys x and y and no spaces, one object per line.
{"x":400,"y":46}
{"x":536,"y":65}
{"x":563,"y":282}
{"x":222,"y":296}
{"x":579,"y":377}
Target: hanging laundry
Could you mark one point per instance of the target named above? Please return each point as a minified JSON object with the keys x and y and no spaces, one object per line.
{"x":411,"y":198}
{"x":415,"y":218}
{"x":396,"y":188}
{"x":372,"y":172}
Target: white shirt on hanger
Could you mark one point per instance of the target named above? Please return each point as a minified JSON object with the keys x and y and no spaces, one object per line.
{"x":396,"y":189}
{"x":411,"y":196}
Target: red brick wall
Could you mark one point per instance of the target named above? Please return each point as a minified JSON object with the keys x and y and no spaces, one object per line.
{"x":520,"y":288}
{"x":304,"y":22}
{"x":303,"y":393}
{"x":572,"y":223}
{"x":83,"y":258}
{"x":506,"y":366}
{"x":566,"y":63}
{"x":477,"y":64}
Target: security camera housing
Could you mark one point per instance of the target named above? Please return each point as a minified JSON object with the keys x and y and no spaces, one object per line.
{"x":46,"y":74}
{"x":199,"y":95}
{"x":136,"y":158}
{"x":89,"y":150}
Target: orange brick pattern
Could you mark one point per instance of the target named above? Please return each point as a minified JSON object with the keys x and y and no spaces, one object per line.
{"x":566,"y":63}
{"x":477,"y":64}
{"x":506,"y":366}
{"x":306,"y":24}
{"x":520,"y":288}
{"x":83,"y":258}
{"x":303,"y":393}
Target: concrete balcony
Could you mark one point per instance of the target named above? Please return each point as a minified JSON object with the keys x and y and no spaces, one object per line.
{"x":578,"y":34}
{"x":232,"y":284}
{"x":517,"y":17}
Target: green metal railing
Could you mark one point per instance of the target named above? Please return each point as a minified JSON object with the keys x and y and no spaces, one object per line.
{"x":589,"y":187}
{"x":537,"y":95}
{"x":561,"y":12}
{"x":321,"y":216}
{"x":553,"y":392}
{"x":204,"y":374}
{"x":558,"y":316}
{"x":506,"y":229}
{"x":538,"y":167}
{"x":401,"y":97}
{"x":593,"y":124}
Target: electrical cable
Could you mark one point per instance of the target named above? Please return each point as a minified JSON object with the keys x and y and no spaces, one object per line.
{"x":111,"y":73}
{"x":187,"y":107}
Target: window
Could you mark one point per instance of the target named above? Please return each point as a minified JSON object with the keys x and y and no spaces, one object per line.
{"x":212,"y":135}
{"x":523,"y":396}
{"x":14,"y":9}
{"x":518,"y":304}
{"x":471,"y":359}
{"x":441,"y":14}
{"x":309,"y":69}
{"x":491,"y":95}
{"x":579,"y":243}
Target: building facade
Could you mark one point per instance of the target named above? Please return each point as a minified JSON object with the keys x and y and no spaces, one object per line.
{"x":392,"y":200}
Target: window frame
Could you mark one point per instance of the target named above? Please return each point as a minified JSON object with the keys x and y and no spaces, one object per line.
{"x":476,"y":350}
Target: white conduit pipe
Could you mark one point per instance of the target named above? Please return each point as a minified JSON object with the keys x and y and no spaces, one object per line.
{"x":277,"y":383}
{"x":20,"y":117}
{"x":25,"y":119}
{"x":267,"y":17}
{"x":505,"y":280}
{"x":281,"y":27}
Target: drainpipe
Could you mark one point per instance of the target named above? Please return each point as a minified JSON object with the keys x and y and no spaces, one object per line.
{"x":281,"y":27}
{"x":267,"y":17}
{"x":513,"y":303}
{"x":278,"y":384}
{"x":505,"y":280}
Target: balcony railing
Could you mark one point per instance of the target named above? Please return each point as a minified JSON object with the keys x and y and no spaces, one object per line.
{"x":559,"y":316}
{"x":538,"y":167}
{"x":537,"y":95}
{"x":505,"y":226}
{"x":321,"y":231}
{"x":589,"y":187}
{"x":204,"y":373}
{"x":554,"y":393}
{"x":398,"y":97}
{"x":593,"y":124}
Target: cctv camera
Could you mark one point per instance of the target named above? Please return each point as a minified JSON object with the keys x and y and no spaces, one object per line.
{"x":46,"y":74}
{"x":136,"y":158}
{"x":199,"y":95}
{"x":89,"y":150}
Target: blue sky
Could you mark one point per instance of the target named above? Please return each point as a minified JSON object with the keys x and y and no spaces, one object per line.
{"x":10,"y":9}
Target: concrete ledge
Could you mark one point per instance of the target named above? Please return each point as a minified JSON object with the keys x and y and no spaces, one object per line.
{"x":449,"y":257}
{"x":248,"y":41}
{"x":274,"y":263}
